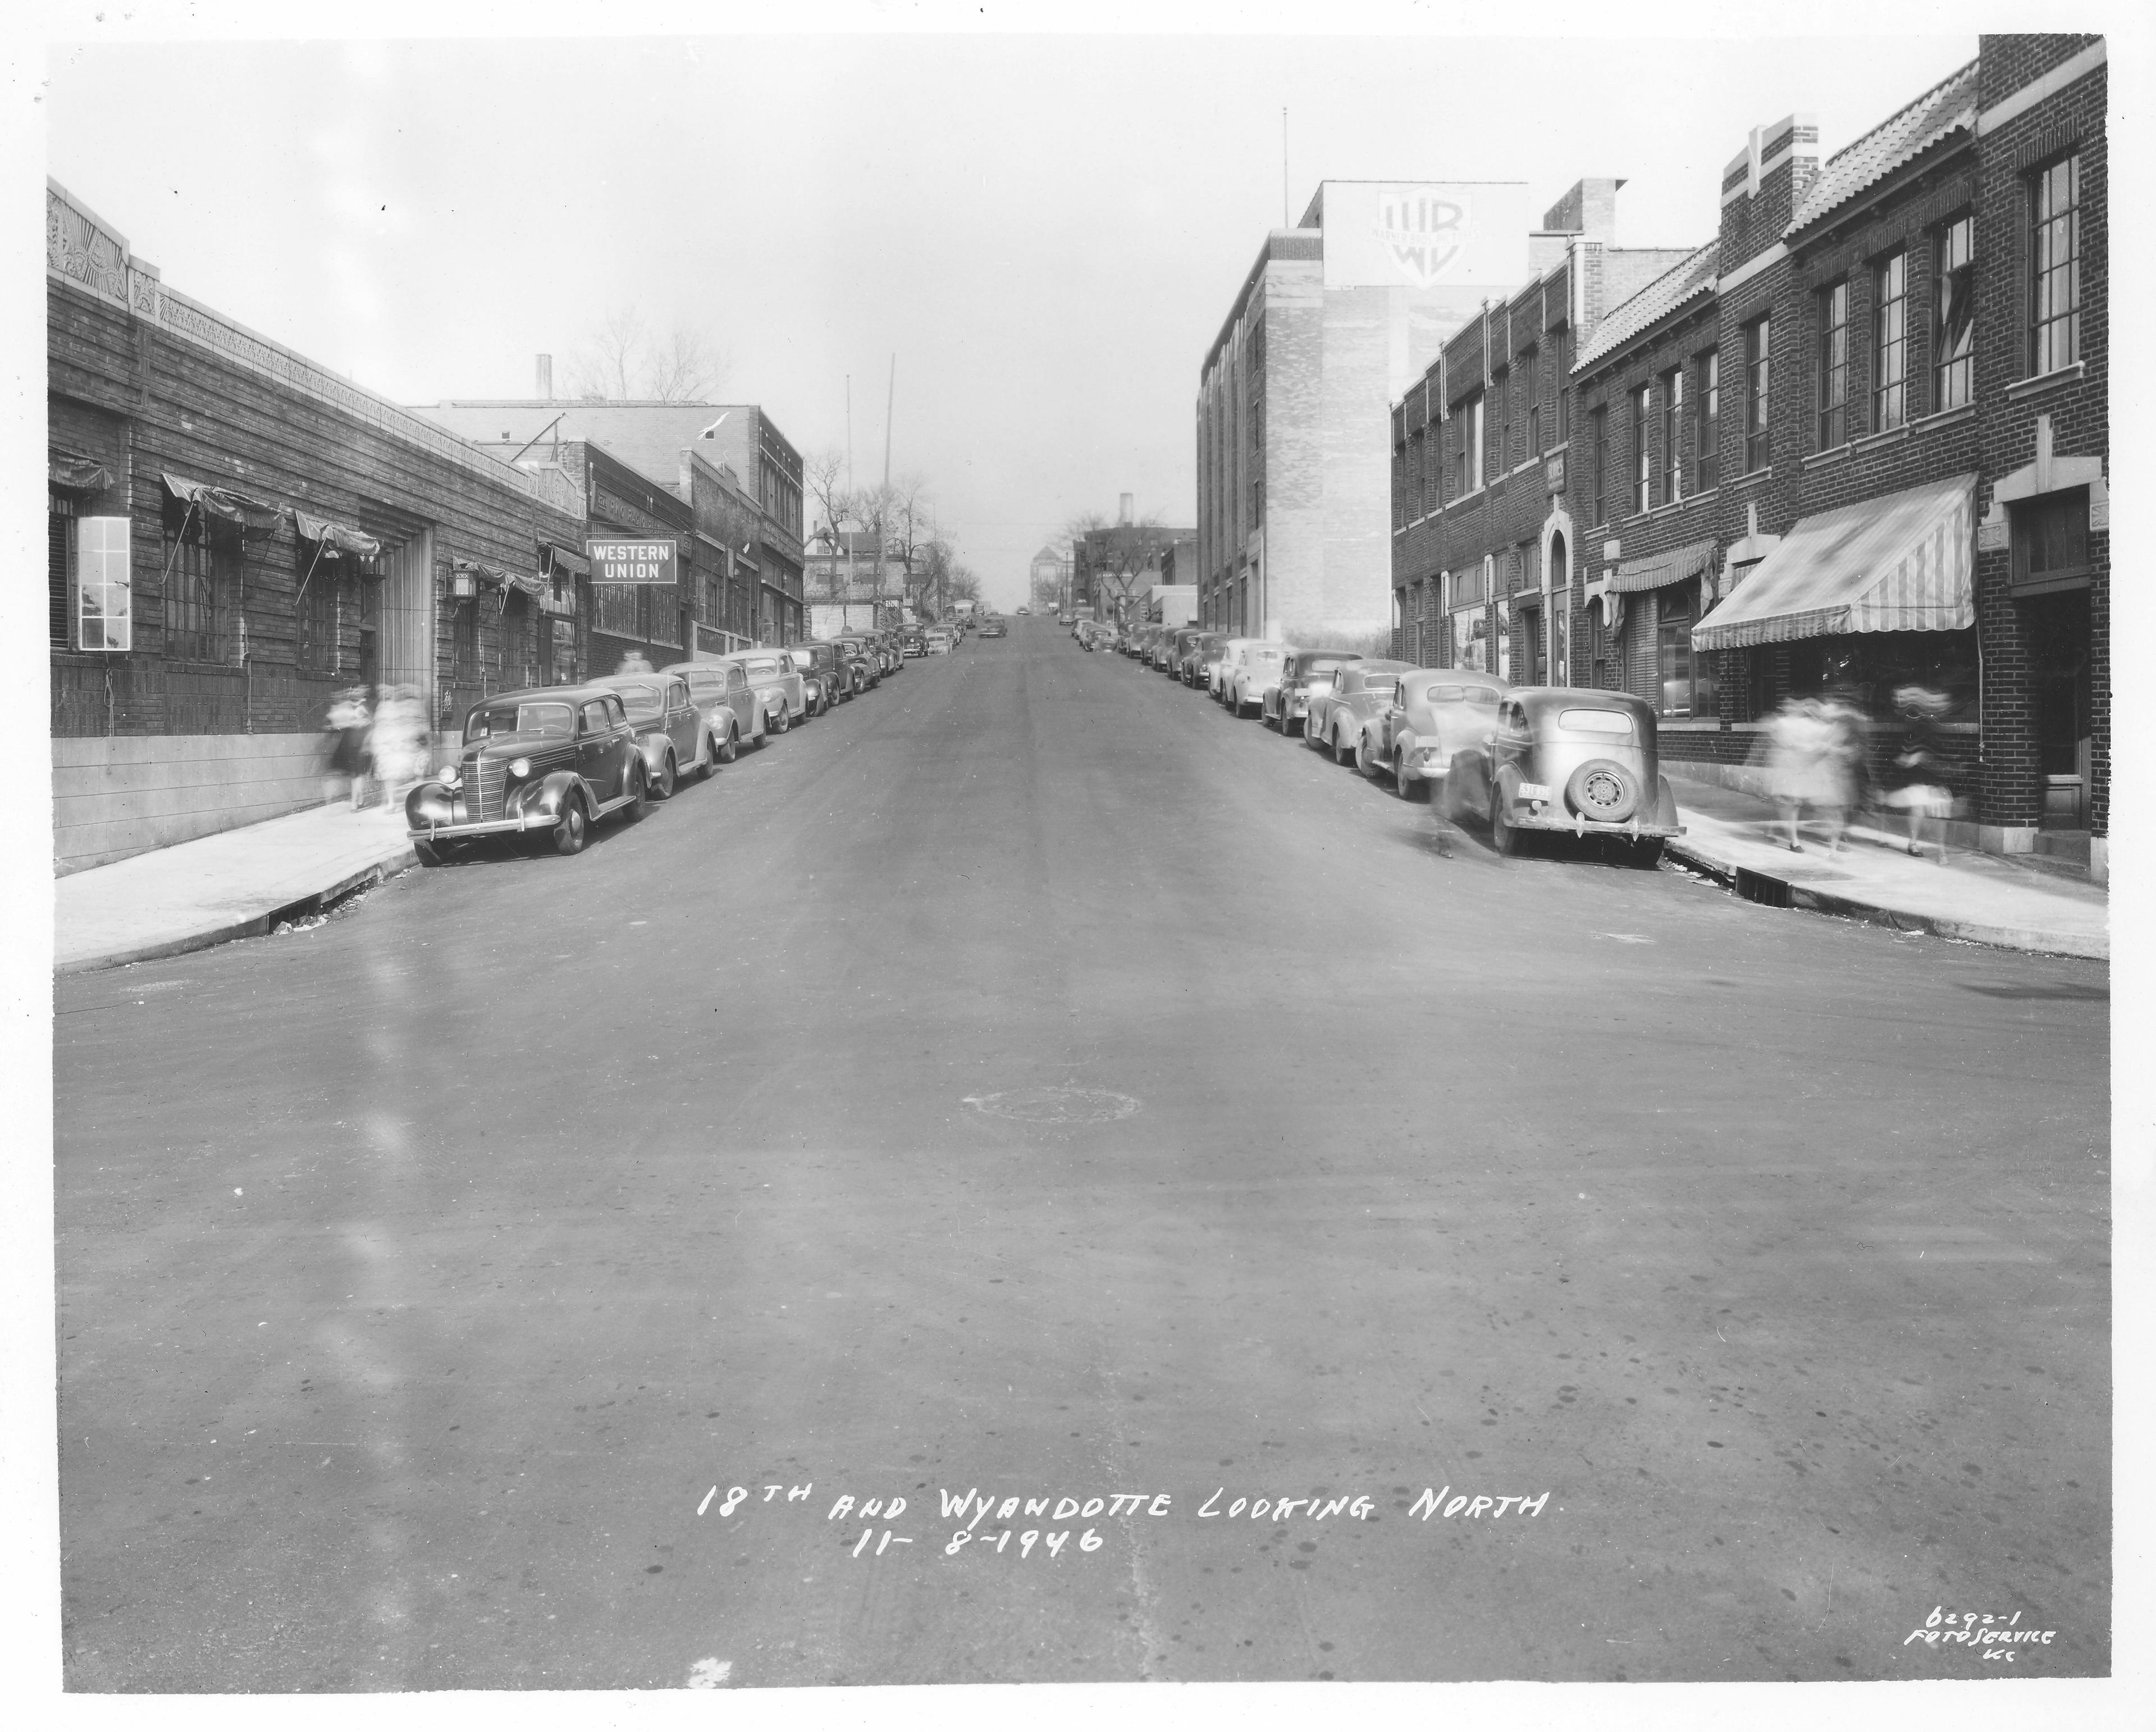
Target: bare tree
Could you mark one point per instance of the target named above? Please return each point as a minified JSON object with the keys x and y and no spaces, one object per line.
{"x":684,"y":368}
{"x":622,"y":358}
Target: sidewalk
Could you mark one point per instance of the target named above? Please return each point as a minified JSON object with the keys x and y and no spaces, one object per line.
{"x":234,"y":885}
{"x":1973,"y":896}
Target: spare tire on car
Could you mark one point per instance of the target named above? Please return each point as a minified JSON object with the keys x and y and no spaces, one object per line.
{"x":1602,"y":792}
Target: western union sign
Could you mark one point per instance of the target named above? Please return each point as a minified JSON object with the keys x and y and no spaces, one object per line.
{"x":632,"y":562}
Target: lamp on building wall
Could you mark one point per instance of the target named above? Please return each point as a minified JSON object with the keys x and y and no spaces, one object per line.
{"x":463,"y":586}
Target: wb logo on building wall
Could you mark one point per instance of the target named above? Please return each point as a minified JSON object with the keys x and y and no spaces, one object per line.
{"x":1422,"y":233}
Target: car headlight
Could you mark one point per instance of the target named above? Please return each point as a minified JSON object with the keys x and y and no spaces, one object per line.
{"x":452,"y":776}
{"x":520,"y":766}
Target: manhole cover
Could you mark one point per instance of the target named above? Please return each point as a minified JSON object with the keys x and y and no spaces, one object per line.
{"x":1056,"y":1106}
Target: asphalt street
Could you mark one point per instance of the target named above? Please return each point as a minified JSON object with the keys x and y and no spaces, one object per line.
{"x":1029,"y":1081}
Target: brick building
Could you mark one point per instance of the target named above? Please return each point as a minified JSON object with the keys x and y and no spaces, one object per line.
{"x":1334,"y":318}
{"x":1113,"y":568}
{"x":1859,"y":441}
{"x":234,"y":534}
{"x":1487,"y":456}
{"x":764,"y":595}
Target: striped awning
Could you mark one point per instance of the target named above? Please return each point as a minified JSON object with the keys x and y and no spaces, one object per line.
{"x":1657,"y":571}
{"x":1901,"y":563}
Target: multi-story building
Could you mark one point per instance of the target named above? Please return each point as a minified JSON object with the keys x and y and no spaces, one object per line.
{"x":1333,"y":321}
{"x":655,"y":439}
{"x":1858,"y":443}
{"x":1487,"y":458}
{"x":1045,"y":577}
{"x":236,"y":535}
{"x":855,"y":583}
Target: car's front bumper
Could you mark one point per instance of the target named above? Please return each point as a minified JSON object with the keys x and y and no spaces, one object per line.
{"x":491,"y":826}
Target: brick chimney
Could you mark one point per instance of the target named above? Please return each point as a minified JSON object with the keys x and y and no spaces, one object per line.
{"x":1589,"y":209}
{"x":1763,"y":183}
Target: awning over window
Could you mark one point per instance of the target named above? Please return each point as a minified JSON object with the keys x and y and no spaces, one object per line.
{"x":76,"y":472}
{"x":480,"y":569}
{"x":567,"y":561}
{"x":250,"y":516}
{"x":335,"y":538}
{"x":1658,"y":570}
{"x":1902,"y":563}
{"x":530,"y":585}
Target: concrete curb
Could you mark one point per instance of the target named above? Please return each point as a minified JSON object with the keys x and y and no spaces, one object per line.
{"x":223,"y":931}
{"x":1775,"y":891}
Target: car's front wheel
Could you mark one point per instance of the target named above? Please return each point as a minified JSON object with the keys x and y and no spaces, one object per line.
{"x":785,"y":720}
{"x":427,"y":853}
{"x":663,"y":789}
{"x":571,"y":826}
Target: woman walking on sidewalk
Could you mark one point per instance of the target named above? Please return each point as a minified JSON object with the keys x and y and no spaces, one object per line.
{"x":349,"y":759}
{"x":1918,"y":783}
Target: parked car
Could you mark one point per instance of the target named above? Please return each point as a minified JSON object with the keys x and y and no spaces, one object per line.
{"x":544,"y":763}
{"x":818,"y":669}
{"x":1435,"y":713}
{"x":670,"y":727}
{"x":1304,"y":671}
{"x":1233,"y":653}
{"x":1563,"y":759}
{"x":1023,"y":612}
{"x":1168,"y":653}
{"x":778,"y":687}
{"x":993,"y":627}
{"x":913,"y":643}
{"x":1336,"y":714}
{"x":1205,"y":658}
{"x":941,"y":641}
{"x":732,"y":712}
{"x":861,"y":656}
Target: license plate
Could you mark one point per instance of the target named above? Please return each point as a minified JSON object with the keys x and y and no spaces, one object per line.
{"x":1534,"y":790}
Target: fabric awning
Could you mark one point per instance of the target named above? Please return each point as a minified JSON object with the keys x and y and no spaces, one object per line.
{"x":76,"y":472}
{"x":250,"y":516}
{"x":336,"y":538}
{"x":1658,"y":570}
{"x":1901,"y":563}
{"x":480,"y":569}
{"x":530,"y":585}
{"x":567,"y":559}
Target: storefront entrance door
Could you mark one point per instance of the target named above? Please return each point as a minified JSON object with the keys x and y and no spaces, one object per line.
{"x":2060,"y":706}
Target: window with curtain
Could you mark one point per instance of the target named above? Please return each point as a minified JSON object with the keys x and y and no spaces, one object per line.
{"x":1833,"y":367}
{"x":1953,"y":314}
{"x":1890,"y":342}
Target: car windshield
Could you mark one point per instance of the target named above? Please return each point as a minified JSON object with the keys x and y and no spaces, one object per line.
{"x":556,"y":721}
{"x":642,"y":701}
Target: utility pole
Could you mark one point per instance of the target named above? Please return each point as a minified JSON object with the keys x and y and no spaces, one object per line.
{"x":889,"y":401}
{"x":1285,"y":220}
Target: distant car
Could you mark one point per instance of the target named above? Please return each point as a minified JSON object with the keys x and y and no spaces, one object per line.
{"x":547,"y":763}
{"x":1204,"y":659}
{"x":1168,"y":652}
{"x":1023,"y":612}
{"x":1305,"y":672}
{"x":1250,"y":673}
{"x":670,"y":727}
{"x":1563,"y":759}
{"x":1335,"y":721}
{"x":940,"y":641}
{"x":1436,"y":712}
{"x":733,"y":713}
{"x":778,"y":687}
{"x":913,"y":643}
{"x":1065,"y":619}
{"x":993,"y":628}
{"x":1190,"y":654}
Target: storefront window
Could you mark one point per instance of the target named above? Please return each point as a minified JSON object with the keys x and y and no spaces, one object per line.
{"x":1684,"y":682}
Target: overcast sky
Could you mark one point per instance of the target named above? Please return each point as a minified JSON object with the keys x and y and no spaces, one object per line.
{"x":1046,"y":231}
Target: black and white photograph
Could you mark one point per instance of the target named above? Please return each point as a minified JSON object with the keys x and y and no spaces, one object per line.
{"x":903,"y":850}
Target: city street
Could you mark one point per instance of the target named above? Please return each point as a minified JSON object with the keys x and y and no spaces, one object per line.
{"x":1029,"y":1081}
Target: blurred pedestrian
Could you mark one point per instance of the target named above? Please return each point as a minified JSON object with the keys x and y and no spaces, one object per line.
{"x":349,"y":761}
{"x":635,"y":662}
{"x":1843,"y":771}
{"x":400,"y":753}
{"x":1918,"y":787}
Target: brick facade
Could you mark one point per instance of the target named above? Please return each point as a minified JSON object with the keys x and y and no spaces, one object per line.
{"x":1857,"y":245}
